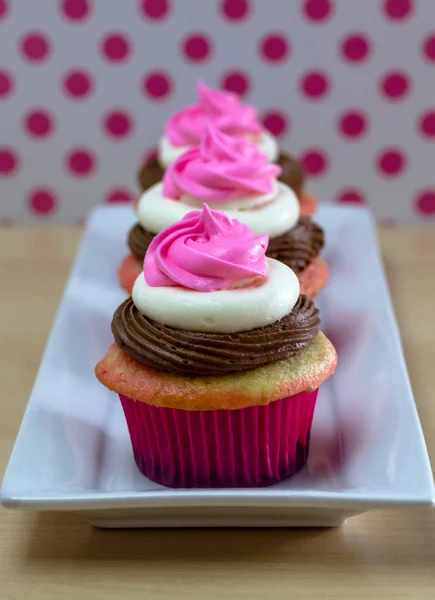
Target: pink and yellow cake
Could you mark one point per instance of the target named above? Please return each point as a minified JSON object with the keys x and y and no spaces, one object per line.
{"x":230,"y":173}
{"x":217,"y":358}
{"x":223,"y":109}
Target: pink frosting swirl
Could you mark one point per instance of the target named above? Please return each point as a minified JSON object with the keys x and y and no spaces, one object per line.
{"x":221,"y":169}
{"x":223,"y":109}
{"x":206,"y":251}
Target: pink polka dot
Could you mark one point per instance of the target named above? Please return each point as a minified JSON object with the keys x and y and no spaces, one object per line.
{"x":429,"y":47}
{"x":314,"y":85}
{"x":397,"y":9}
{"x":155,"y":9}
{"x":6,"y":84}
{"x":391,"y":162}
{"x":118,"y":124}
{"x":353,"y":124}
{"x":42,"y":202}
{"x":351,"y":196}
{"x":150,"y":156}
{"x":116,"y":47}
{"x":355,"y":48}
{"x":275,"y":122}
{"x":3,"y":8}
{"x":77,"y":84}
{"x":35,"y":46}
{"x":80,"y":162}
{"x":38,"y":123}
{"x":317,"y":10}
{"x":235,"y":10}
{"x":157,"y":85}
{"x":427,"y":124}
{"x":119,"y":195}
{"x":425,"y":202}
{"x":237,"y":82}
{"x":395,"y":85}
{"x":275,"y":47}
{"x":76,"y":10}
{"x":196,"y":47}
{"x":315,"y":162}
{"x":8,"y":161}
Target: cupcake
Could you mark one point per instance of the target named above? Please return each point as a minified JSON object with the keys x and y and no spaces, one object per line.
{"x":184,"y":129}
{"x":232,"y":174}
{"x":217,"y":359}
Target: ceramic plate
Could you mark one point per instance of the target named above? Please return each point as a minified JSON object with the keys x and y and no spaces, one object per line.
{"x":367,"y":449}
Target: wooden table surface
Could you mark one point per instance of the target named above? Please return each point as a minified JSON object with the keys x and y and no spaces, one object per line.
{"x":381,"y":554}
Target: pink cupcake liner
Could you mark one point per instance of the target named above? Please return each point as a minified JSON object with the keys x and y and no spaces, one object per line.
{"x":246,"y":447}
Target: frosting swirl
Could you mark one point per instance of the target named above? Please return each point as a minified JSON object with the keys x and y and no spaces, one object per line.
{"x":220,"y":169}
{"x":185,"y":127}
{"x":206,"y":251}
{"x":292,"y":172}
{"x":190,"y":353}
{"x":297,"y":248}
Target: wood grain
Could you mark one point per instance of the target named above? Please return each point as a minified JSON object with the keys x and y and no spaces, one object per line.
{"x":384,"y":554}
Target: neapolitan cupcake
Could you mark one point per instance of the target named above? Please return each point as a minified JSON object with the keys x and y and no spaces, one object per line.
{"x":184,"y":130}
{"x":231,"y":174}
{"x":217,"y":360}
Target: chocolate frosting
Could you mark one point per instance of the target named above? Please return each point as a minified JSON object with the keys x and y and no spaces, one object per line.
{"x":150,"y":174}
{"x":292,"y":173}
{"x":138,"y":240}
{"x":191,"y":353}
{"x":298,"y":247}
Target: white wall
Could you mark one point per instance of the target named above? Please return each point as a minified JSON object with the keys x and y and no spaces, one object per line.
{"x":36,"y":183}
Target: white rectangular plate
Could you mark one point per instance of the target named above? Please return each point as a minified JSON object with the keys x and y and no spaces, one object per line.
{"x":367,"y":451}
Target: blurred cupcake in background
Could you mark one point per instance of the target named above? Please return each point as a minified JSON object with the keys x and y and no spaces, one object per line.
{"x":230,"y":173}
{"x":183,"y":131}
{"x":217,"y":359}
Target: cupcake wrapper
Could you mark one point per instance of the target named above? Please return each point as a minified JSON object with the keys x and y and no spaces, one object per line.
{"x":247,"y":447}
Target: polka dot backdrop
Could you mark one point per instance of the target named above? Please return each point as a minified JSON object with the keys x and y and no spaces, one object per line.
{"x":347,"y":86}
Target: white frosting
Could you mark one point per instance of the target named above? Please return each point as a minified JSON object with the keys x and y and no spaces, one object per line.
{"x":156,"y":212}
{"x":244,"y":203}
{"x":269,"y":145}
{"x":168,"y":153}
{"x":224,"y":311}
